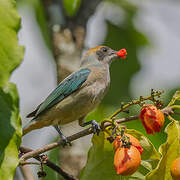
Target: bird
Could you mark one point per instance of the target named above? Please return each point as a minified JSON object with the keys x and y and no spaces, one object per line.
{"x":78,"y":94}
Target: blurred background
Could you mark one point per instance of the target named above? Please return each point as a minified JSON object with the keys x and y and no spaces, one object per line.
{"x":55,"y":33}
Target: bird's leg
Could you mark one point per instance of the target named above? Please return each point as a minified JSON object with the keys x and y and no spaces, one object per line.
{"x":95,"y":126}
{"x":64,"y":138}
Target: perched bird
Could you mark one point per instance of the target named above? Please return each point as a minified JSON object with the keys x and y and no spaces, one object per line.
{"x":78,"y":94}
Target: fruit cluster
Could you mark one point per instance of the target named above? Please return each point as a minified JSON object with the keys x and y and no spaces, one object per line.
{"x":122,"y":53}
{"x":128,"y":149}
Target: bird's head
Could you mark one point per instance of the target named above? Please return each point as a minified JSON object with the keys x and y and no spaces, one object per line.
{"x":100,"y":55}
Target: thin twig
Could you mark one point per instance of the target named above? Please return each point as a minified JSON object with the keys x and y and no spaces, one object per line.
{"x":22,"y":163}
{"x":127,"y":119}
{"x":138,"y":101}
{"x":49,"y":164}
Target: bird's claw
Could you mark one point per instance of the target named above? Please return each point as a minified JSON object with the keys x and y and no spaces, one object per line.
{"x":96,"y":127}
{"x":65,"y":142}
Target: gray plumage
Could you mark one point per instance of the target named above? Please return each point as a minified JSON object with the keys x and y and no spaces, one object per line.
{"x":78,"y":94}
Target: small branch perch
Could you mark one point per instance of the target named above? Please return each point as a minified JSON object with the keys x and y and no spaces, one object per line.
{"x":22,"y":163}
{"x":48,"y":147}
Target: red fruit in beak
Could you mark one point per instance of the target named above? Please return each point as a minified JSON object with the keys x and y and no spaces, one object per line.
{"x":122,"y":53}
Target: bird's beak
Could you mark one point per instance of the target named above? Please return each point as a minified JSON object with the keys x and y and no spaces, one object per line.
{"x":122,"y":53}
{"x":113,"y":55}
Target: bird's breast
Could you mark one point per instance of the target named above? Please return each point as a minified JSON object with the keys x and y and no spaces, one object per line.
{"x":97,"y":83}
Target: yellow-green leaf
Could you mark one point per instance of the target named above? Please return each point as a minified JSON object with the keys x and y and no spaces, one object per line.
{"x":170,"y":151}
{"x":11,"y":54}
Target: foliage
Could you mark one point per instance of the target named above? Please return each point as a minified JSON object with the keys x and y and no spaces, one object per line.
{"x":153,"y":164}
{"x":100,"y":159}
{"x":10,"y":57}
{"x":10,"y":131}
{"x":10,"y":51}
{"x":170,"y":150}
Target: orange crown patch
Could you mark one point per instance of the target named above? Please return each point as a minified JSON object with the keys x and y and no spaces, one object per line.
{"x":94,"y":49}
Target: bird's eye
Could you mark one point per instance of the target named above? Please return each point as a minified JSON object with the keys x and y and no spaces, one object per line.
{"x":104,"y":49}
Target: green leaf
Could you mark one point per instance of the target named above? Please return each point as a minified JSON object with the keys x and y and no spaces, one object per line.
{"x":71,"y":7}
{"x":101,"y":155}
{"x":170,"y":151}
{"x":10,"y":57}
{"x":10,"y":52}
{"x":10,"y":132}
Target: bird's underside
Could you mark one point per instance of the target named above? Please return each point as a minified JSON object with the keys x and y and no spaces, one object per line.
{"x":74,"y":107}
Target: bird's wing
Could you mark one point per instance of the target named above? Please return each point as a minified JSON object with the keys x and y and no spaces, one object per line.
{"x":64,"y":89}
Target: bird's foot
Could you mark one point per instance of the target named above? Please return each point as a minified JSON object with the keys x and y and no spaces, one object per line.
{"x":96,"y":127}
{"x":65,"y":141}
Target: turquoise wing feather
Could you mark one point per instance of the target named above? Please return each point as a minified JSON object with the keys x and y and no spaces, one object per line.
{"x":64,"y":89}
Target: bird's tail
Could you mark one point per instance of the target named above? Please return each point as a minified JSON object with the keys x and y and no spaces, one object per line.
{"x":29,"y":127}
{"x":32,"y":125}
{"x":33,"y":114}
{"x":35,"y":123}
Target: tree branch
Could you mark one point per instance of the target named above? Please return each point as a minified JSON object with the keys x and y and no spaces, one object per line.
{"x":48,"y":147}
{"x":127,"y":119}
{"x":34,"y":153}
{"x":71,"y":138}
